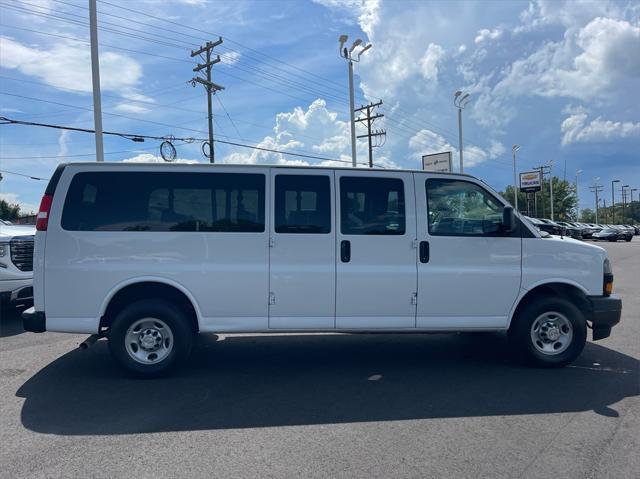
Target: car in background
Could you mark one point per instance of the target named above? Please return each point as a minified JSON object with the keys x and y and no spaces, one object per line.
{"x":607,"y":234}
{"x":554,"y":228}
{"x":541,"y":225}
{"x":628,"y":231}
{"x":16,"y":263}
{"x":571,"y":229}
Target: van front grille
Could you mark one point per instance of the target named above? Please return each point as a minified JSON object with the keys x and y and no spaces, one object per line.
{"x":22,"y":252}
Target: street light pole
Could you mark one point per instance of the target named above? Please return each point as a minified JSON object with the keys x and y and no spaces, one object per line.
{"x":460,"y":100}
{"x":577,"y":197}
{"x":551,"y":187}
{"x":347,"y":54}
{"x":514,"y":149}
{"x":613,"y":202}
{"x":631,"y":204}
{"x":95,"y":77}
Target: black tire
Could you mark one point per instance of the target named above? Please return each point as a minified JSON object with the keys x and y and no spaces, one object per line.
{"x":170,"y":316}
{"x":520,"y":332}
{"x":627,"y":239}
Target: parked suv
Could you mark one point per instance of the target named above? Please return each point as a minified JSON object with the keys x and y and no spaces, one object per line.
{"x":16,"y":263}
{"x":147,"y":255}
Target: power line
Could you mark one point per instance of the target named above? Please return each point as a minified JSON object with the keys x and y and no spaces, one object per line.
{"x":270,"y":76}
{"x":23,"y":174}
{"x":138,"y":137}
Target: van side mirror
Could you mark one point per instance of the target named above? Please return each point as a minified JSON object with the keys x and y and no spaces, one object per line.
{"x":508,"y":219}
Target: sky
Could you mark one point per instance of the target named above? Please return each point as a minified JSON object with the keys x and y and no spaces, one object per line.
{"x":560,"y":79}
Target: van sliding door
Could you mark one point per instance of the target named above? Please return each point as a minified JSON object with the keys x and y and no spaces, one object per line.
{"x":302,"y":249}
{"x":376,"y":252}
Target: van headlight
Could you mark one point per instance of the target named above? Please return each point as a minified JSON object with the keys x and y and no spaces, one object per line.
{"x":4,"y":249}
{"x":607,"y":286}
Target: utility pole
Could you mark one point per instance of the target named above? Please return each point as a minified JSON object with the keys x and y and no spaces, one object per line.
{"x":210,"y":87}
{"x":624,"y":201}
{"x":613,"y":202}
{"x":543,"y":170}
{"x":95,"y":78}
{"x":369,"y":118}
{"x":460,"y":100}
{"x":596,"y":188}
{"x":551,"y":187}
{"x":347,"y":54}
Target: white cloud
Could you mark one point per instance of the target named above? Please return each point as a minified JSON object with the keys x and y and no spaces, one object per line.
{"x":67,"y":66}
{"x":576,"y":129}
{"x":486,"y":34}
{"x":585,"y":65}
{"x":230,"y":58}
{"x":14,"y":198}
{"x":149,"y":158}
{"x":426,"y":142}
{"x":131,"y":108}
{"x":316,"y":131}
{"x":430,"y":60}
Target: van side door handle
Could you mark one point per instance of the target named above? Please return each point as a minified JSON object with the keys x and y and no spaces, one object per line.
{"x":424,"y":251}
{"x":345,"y":251}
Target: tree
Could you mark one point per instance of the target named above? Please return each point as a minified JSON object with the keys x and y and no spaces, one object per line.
{"x":9,"y":211}
{"x":564,"y":200}
{"x":587,"y":215}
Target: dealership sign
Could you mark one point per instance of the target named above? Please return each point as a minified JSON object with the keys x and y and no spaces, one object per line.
{"x":437,"y":162}
{"x":530,"y":182}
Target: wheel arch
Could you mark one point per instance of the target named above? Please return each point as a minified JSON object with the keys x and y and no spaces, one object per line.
{"x":571,"y":291}
{"x":148,"y":288}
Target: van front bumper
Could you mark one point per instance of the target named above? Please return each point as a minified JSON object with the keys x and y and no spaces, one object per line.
{"x":34,"y":321}
{"x":605,"y":314}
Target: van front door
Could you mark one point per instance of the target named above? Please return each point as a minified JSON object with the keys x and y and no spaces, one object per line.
{"x":376,"y":254}
{"x":468,"y":266}
{"x":302,"y":250}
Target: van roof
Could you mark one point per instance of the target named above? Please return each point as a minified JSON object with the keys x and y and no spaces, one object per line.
{"x":113,"y":164}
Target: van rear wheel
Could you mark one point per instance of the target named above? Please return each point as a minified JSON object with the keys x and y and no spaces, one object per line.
{"x":549,"y":332}
{"x":150,"y":337}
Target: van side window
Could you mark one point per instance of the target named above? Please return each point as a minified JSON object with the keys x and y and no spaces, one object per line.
{"x":372,"y":206}
{"x":302,"y":204}
{"x":462,"y":208}
{"x":158,"y":201}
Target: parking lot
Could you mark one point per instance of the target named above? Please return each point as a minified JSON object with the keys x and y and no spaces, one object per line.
{"x":326,"y":406}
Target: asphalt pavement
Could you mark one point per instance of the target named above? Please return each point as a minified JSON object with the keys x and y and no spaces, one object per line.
{"x":381,"y":405}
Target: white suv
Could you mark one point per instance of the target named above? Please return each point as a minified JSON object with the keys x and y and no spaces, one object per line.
{"x":147,"y":255}
{"x":16,"y":263}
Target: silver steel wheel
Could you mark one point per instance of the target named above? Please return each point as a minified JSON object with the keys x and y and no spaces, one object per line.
{"x":148,"y":340}
{"x":551,"y":333}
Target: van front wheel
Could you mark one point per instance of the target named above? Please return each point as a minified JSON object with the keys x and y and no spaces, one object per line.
{"x":549,"y":332}
{"x":150,"y":337}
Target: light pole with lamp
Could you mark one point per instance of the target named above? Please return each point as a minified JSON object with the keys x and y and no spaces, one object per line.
{"x":460,"y":100}
{"x":577,"y":197}
{"x":347,"y":54}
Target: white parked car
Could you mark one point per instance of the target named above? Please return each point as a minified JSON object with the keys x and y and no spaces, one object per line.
{"x":16,"y":263}
{"x":147,"y":255}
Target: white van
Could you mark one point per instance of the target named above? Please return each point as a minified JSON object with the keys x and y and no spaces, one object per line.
{"x":148,"y":255}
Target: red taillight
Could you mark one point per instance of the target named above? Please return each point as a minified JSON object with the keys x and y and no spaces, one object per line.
{"x":43,"y":214}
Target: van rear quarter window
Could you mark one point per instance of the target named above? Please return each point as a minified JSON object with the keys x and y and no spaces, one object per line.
{"x":158,"y":201}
